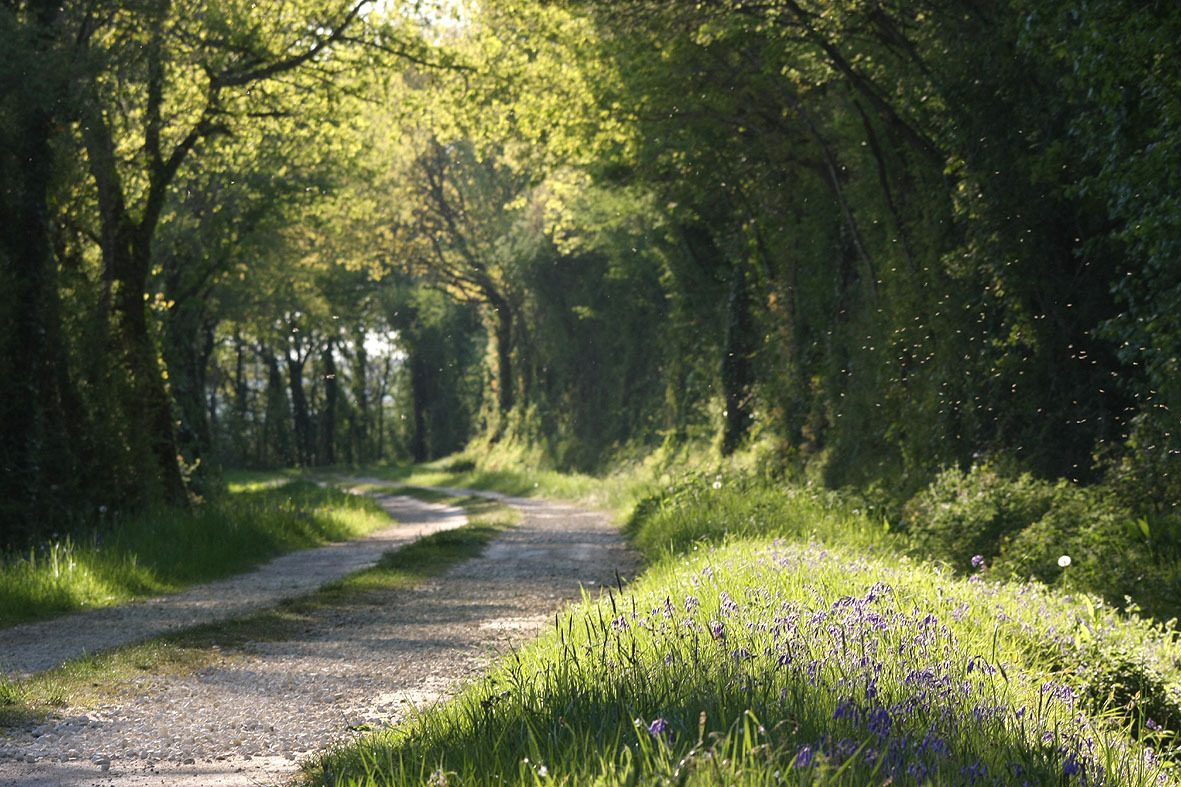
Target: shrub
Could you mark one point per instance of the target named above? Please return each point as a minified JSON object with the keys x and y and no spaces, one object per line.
{"x":964,"y":514}
{"x":1108,"y":547}
{"x":1024,"y":526}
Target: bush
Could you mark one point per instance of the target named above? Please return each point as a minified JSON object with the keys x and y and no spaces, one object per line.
{"x":1145,"y":472}
{"x":1109,"y":549}
{"x":964,"y":514}
{"x":1023,"y":527}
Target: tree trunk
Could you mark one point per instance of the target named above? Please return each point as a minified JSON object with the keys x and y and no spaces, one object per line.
{"x":126,"y":248}
{"x":361,"y":438}
{"x":299,"y":411}
{"x":504,"y":360}
{"x":150,"y":408}
{"x":737,"y":371}
{"x":420,"y":385}
{"x":238,"y":432}
{"x":188,"y":346}
{"x":36,"y":448}
{"x":327,"y":452}
{"x":380,"y":404}
{"x":277,"y":418}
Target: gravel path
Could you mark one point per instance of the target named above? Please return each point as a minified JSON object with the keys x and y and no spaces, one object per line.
{"x":35,"y":647}
{"x":246,"y":720}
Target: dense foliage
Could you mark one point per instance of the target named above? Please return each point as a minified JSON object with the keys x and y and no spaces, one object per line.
{"x":886,"y":239}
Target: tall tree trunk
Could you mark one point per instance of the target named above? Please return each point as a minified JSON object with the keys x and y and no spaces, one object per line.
{"x":327,"y":452}
{"x":126,"y":247}
{"x":363,"y":418}
{"x":737,"y":371}
{"x":503,"y":317}
{"x":420,"y":386}
{"x":36,"y":449}
{"x":188,"y":345}
{"x":380,"y":404}
{"x":212,"y":403}
{"x":299,"y":410}
{"x":276,"y":431}
{"x":150,"y":407}
{"x":239,"y":434}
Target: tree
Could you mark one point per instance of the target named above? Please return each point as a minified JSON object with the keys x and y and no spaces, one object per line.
{"x":236,"y":49}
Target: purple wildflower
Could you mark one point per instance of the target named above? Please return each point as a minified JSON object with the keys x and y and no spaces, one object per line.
{"x":846,"y":709}
{"x":973,"y":772}
{"x":657,"y":727}
{"x":717,"y":630}
{"x":803,"y":757}
{"x":977,"y":561}
{"x":879,"y":722}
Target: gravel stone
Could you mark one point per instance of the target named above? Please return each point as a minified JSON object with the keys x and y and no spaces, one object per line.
{"x":248,"y":720}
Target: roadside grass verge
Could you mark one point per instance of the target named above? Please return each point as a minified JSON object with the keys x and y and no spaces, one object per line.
{"x":788,"y":635}
{"x":165,"y":550}
{"x":256,"y":480}
{"x":103,"y":677}
{"x":692,"y":509}
{"x":773,"y":662}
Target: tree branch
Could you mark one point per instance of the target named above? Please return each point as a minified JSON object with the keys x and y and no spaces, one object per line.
{"x":231,"y":79}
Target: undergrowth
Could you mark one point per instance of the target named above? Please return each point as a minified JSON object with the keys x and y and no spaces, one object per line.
{"x":776,"y":662}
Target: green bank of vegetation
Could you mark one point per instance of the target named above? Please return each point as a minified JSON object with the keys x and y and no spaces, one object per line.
{"x":810,"y":653}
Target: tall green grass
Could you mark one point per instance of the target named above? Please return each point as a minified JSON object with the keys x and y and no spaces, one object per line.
{"x":789,"y":635}
{"x":673,"y":517}
{"x":795,"y":663}
{"x":166,"y":550}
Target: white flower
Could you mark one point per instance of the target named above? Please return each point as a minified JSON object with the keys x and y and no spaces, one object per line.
{"x":1064,"y":561}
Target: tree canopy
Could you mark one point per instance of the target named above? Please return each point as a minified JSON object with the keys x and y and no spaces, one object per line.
{"x":882,"y":238}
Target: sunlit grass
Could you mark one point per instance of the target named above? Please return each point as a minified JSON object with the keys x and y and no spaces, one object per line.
{"x":674,"y":517}
{"x":515,"y":469}
{"x":785,"y":634}
{"x":165,"y":550}
{"x":257,"y":480}
{"x":767,"y":662}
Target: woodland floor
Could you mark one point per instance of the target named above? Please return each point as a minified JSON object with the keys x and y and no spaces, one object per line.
{"x":249,"y":718}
